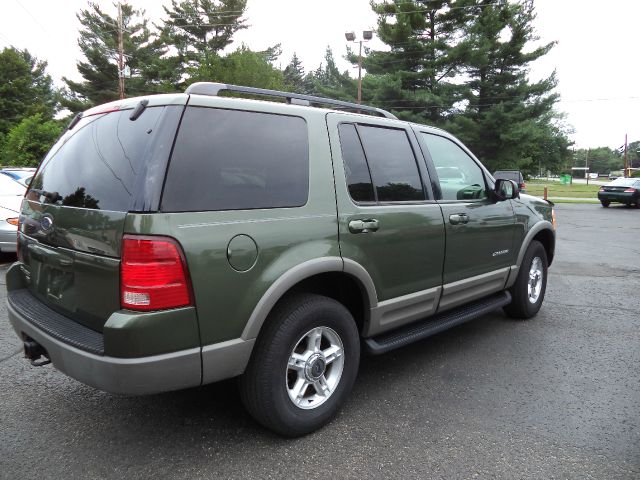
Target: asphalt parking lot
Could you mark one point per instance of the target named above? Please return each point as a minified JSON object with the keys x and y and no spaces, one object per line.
{"x":554,"y":397}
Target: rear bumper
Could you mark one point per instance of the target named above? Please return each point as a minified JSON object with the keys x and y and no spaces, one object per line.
{"x":8,"y":238}
{"x":130,"y":376}
{"x":620,"y":197}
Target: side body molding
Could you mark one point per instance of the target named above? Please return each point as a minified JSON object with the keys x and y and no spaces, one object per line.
{"x":299,"y":273}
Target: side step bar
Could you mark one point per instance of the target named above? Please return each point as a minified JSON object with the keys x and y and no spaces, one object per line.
{"x":436,"y":324}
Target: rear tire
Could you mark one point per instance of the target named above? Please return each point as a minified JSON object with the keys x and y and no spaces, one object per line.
{"x":604,"y":203}
{"x":303,"y":365}
{"x":531,"y":284}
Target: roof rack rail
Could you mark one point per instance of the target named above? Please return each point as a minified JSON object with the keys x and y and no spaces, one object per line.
{"x":213,"y":89}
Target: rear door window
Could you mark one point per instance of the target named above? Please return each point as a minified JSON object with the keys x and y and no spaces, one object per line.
{"x":392,"y":164}
{"x":97,"y":164}
{"x":236,"y":160}
{"x":356,"y":169}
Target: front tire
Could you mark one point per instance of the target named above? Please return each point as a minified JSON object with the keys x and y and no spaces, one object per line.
{"x":531,"y":284}
{"x":303,"y":366}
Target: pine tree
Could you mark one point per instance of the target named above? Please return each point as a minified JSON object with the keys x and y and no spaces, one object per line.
{"x":415,"y":78}
{"x":150,"y":73}
{"x":328,"y":81}
{"x":294,"y":76}
{"x":200,"y":29}
{"x":508,"y":121}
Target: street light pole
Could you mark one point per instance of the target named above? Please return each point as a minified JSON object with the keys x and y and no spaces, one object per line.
{"x":360,"y":74}
{"x":351,"y":37}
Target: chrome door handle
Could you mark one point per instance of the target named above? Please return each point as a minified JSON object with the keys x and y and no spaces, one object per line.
{"x":458,"y":218}
{"x":363,"y":226}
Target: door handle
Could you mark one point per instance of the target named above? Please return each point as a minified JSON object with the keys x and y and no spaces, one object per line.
{"x":459,"y":219}
{"x":363,"y":226}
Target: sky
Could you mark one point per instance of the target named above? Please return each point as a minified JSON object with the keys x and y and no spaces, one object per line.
{"x":596,"y":56}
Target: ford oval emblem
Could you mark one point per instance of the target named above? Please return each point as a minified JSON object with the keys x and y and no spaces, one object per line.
{"x":46,"y":223}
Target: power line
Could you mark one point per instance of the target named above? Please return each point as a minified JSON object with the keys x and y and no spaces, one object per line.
{"x":32,"y":17}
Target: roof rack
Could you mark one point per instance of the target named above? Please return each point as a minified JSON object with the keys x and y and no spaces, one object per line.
{"x":213,"y":89}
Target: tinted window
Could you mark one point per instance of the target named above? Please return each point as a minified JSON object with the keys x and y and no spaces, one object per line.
{"x":459,"y":176}
{"x":392,"y":163}
{"x":232,"y":160}
{"x":96,"y":164}
{"x":355,"y":165}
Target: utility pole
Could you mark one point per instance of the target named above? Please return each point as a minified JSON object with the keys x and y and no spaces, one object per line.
{"x":586,"y":166}
{"x":120,"y":54}
{"x":625,"y":158}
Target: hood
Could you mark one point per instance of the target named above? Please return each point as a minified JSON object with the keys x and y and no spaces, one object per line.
{"x":11,"y":202}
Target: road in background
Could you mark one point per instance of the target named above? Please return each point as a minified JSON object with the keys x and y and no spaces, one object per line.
{"x":554,"y":397}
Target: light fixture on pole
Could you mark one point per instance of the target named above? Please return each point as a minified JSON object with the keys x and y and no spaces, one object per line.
{"x":351,"y":37}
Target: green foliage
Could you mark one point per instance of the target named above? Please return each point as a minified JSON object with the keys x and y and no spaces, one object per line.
{"x":294,"y":77}
{"x":506,"y":120}
{"x":328,"y":81}
{"x":633,"y":154}
{"x":143,"y":50}
{"x":241,"y":67}
{"x":200,"y":29}
{"x":29,"y":141}
{"x":25,"y":89}
{"x":417,"y":75}
{"x":602,"y":159}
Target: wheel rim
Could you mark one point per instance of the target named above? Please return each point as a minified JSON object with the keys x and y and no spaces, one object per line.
{"x":536,"y":276}
{"x":314,"y":368}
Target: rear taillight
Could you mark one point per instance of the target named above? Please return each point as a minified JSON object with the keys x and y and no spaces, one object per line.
{"x":630,"y":190}
{"x":153,"y":274}
{"x":601,"y":189}
{"x":522,"y":186}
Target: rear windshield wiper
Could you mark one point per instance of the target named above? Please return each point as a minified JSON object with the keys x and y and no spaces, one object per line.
{"x":138,"y":110}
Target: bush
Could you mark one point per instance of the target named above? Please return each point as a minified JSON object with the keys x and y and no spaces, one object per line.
{"x":29,"y":141}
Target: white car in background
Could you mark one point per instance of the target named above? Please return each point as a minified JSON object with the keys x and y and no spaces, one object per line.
{"x":11,"y":194}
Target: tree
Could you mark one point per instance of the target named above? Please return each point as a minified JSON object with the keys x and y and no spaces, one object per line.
{"x":241,"y":67}
{"x":29,"y":141}
{"x":25,"y":89}
{"x":200,"y":29}
{"x":294,"y":76}
{"x":507,"y":118}
{"x":416,"y":76}
{"x":149,"y":71}
{"x":328,"y":81}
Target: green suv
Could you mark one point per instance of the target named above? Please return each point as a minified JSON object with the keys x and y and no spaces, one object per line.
{"x":171,"y":241}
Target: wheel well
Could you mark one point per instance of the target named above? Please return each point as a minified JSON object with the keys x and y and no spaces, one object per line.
{"x":547,"y":239}
{"x":341,"y":287}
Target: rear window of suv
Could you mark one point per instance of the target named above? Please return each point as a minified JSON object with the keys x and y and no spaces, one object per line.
{"x":100,"y":162}
{"x":237,"y":160}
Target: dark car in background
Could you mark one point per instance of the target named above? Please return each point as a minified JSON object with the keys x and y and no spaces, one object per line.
{"x":621,"y":190}
{"x":513,"y":175}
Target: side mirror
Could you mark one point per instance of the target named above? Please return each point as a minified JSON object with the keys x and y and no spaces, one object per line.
{"x":505,"y":190}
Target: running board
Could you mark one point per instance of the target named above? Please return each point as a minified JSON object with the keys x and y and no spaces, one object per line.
{"x":436,"y":324}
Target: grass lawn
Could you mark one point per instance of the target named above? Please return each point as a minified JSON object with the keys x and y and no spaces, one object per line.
{"x":556,"y":189}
